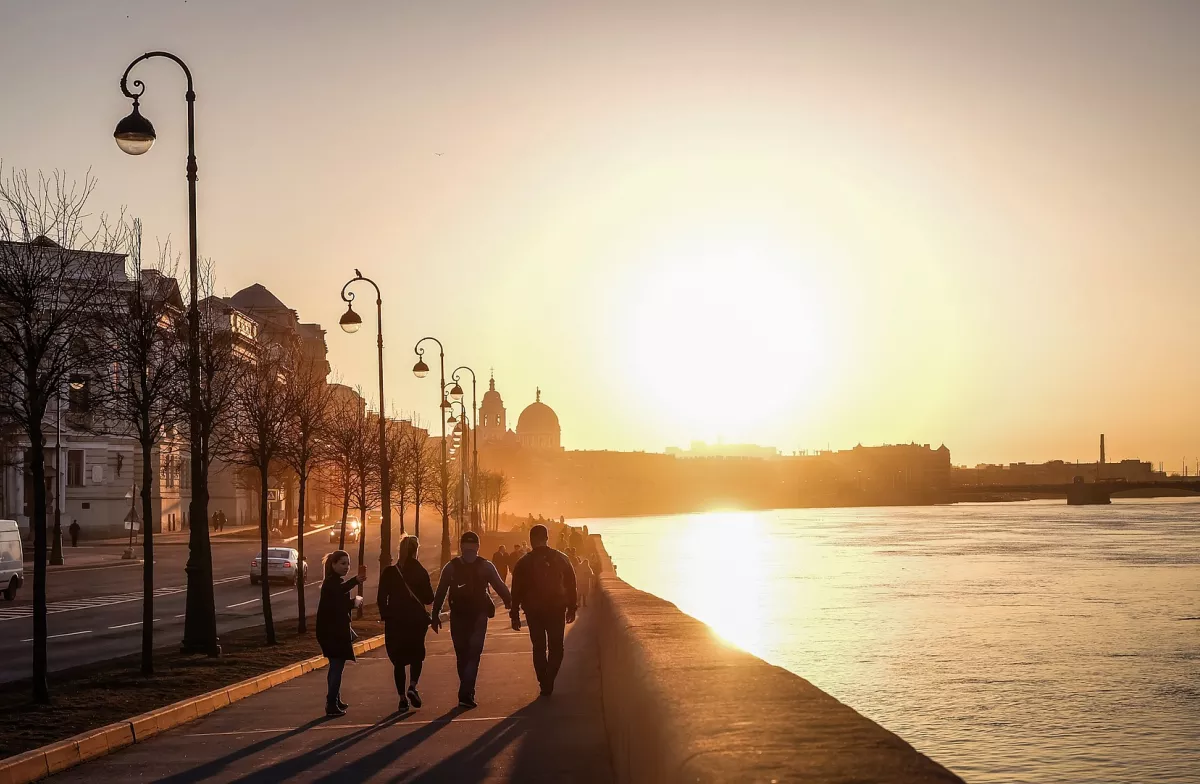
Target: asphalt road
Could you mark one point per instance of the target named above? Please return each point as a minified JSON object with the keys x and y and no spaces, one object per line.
{"x":95,"y":612}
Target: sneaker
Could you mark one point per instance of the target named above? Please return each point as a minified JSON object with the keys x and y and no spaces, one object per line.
{"x":467,"y":702}
{"x":341,"y":704}
{"x":403,"y":707}
{"x":333,"y":709}
{"x":414,"y":697}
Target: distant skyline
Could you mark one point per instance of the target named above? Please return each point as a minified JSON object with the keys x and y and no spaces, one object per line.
{"x":794,"y":224}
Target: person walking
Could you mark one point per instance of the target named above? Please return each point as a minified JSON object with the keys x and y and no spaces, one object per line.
{"x":500,"y":561}
{"x":334,"y":633}
{"x":543,"y":584}
{"x":583,"y":580}
{"x":404,"y":594}
{"x":74,"y":531}
{"x":466,"y":580}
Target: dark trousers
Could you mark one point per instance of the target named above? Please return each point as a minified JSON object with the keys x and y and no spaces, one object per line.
{"x":334,"y":680}
{"x":468,"y":634}
{"x":546,"y":630}
{"x":398,"y":676}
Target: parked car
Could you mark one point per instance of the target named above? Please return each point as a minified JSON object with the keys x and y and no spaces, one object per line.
{"x":12,"y":572}
{"x":283,"y":563}
{"x":353,"y":527}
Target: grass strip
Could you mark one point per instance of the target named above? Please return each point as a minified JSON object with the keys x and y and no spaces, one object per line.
{"x":93,"y":695}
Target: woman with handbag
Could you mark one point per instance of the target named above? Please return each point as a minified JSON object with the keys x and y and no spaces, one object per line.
{"x":404,"y":594}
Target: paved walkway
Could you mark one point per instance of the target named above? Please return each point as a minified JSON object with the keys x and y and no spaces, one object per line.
{"x":283,"y":735}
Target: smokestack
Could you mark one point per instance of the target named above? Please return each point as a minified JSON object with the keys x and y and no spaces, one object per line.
{"x":1101,"y":449}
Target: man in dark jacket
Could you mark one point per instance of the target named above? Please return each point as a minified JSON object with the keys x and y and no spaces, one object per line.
{"x":543,"y":583}
{"x":466,"y":580}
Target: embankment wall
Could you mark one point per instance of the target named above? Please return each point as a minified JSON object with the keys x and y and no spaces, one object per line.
{"x":680,"y":705}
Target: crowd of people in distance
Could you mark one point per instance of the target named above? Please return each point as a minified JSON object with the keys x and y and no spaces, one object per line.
{"x":547,"y":584}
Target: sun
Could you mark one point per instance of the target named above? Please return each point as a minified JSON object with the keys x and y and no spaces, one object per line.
{"x":726,"y":334}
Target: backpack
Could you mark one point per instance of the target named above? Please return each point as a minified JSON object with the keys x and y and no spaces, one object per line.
{"x":546,"y":587}
{"x":468,"y":590}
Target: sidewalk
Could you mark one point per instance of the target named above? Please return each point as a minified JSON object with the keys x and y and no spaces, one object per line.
{"x":283,"y":735}
{"x":82,"y":557}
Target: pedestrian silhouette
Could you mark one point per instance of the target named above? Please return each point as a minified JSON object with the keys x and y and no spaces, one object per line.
{"x":74,"y":531}
{"x":543,"y":584}
{"x":466,"y":579}
{"x":334,"y":633}
{"x":404,"y":595}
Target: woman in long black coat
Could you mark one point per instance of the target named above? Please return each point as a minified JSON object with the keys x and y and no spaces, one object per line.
{"x":334,"y":633}
{"x":404,"y":595}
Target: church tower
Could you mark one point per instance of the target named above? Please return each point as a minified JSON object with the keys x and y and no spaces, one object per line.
{"x":492,"y":420}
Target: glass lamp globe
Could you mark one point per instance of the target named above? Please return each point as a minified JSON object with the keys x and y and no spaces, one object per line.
{"x":350,"y":320}
{"x":135,"y":134}
{"x":456,"y":393}
{"x":420,"y":370}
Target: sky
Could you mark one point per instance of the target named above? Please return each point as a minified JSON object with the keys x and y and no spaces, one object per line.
{"x":806,"y":225}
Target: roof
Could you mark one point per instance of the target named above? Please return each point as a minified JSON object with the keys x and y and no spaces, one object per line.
{"x":538,"y":418}
{"x":256,"y":296}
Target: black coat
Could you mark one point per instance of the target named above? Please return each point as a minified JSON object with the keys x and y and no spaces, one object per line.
{"x":403,"y":596}
{"x":334,"y":634}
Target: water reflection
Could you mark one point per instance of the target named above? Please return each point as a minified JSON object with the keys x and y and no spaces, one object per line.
{"x":1017,"y":642}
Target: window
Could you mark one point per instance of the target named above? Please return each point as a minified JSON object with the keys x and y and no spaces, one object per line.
{"x":79,"y":401}
{"x":168,"y":470}
{"x":75,"y":468}
{"x":185,"y":473}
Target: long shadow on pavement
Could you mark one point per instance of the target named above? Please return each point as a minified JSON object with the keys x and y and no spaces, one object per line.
{"x":294,"y":766}
{"x":210,"y":769}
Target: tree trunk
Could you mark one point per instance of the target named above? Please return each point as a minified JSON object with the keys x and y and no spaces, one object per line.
{"x":417,"y":512}
{"x":41,"y":689}
{"x":402,"y":516}
{"x":345,"y":511}
{"x":147,"y":558}
{"x":263,"y":471}
{"x":302,"y":621}
{"x":362,"y":547}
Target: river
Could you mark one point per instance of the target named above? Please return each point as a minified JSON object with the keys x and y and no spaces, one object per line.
{"x":1024,"y":642}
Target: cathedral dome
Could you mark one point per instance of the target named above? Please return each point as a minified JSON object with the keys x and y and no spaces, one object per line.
{"x":492,"y":397}
{"x":538,"y":425}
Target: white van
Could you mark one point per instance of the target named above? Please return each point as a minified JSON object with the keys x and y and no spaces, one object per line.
{"x":12,"y":574}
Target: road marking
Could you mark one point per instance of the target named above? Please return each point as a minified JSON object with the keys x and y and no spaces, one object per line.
{"x":56,"y":636}
{"x":91,"y":603}
{"x":316,"y":530}
{"x":126,"y":625}
{"x":239,"y":604}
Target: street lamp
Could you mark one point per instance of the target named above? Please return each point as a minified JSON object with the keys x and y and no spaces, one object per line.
{"x":350,"y":322}
{"x":474,"y":440}
{"x":462,"y":430}
{"x":135,"y":136}
{"x":420,"y":370}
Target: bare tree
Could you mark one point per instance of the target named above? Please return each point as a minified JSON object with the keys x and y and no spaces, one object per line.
{"x":343,"y":440}
{"x":424,"y":479}
{"x":58,"y":271}
{"x":310,"y":407}
{"x":399,"y":464}
{"x":147,"y":336}
{"x":255,"y":439}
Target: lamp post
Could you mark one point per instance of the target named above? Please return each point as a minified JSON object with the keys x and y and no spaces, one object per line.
{"x":420,"y":370}
{"x":135,"y":135}
{"x":462,"y":429}
{"x":474,"y":439}
{"x":350,"y":322}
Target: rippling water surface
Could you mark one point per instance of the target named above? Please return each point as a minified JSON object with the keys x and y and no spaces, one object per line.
{"x":1030,"y":642}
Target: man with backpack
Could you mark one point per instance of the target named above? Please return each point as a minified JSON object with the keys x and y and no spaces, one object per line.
{"x":543,"y":583}
{"x":466,"y":579}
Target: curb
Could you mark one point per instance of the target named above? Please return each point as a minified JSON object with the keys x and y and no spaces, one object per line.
{"x":57,"y":757}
